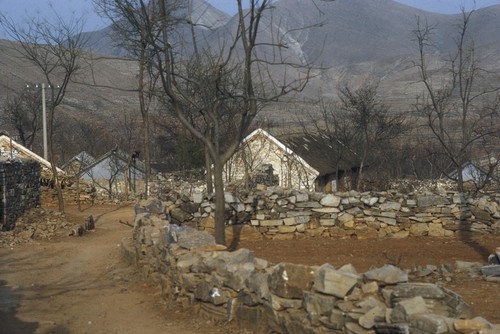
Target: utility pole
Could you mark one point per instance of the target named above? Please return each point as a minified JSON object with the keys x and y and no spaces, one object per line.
{"x":44,"y":124}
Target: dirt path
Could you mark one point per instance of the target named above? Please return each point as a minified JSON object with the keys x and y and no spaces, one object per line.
{"x":79,"y":285}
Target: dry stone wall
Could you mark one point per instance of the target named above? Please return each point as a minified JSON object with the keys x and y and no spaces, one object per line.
{"x":286,"y":214}
{"x":19,"y":189}
{"x":288,"y":298}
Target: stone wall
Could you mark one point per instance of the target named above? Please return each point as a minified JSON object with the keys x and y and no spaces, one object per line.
{"x":19,"y":189}
{"x":287,"y":298}
{"x":289,"y":214}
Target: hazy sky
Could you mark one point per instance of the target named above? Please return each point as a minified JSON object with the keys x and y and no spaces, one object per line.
{"x":439,"y":6}
{"x":19,"y":9}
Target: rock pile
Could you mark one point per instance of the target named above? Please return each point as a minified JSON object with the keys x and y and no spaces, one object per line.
{"x":264,"y":175}
{"x":37,"y":224}
{"x":289,"y":298}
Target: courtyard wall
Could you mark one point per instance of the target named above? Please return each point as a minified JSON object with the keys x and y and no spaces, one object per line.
{"x":275,"y":213}
{"x":19,"y":189}
{"x":288,"y":298}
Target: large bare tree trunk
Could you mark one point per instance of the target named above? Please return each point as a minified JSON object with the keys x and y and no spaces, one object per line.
{"x":145,"y":118}
{"x":209,"y":175}
{"x":147,"y":155}
{"x":220,"y":223}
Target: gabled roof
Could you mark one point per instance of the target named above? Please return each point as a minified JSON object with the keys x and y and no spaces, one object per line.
{"x":283,"y":147}
{"x":83,"y":157}
{"x":9,"y":147}
{"x":482,"y":166}
{"x":315,"y":150}
{"x":116,"y":153}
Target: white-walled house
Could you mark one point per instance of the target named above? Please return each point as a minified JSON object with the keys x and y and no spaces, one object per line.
{"x":11,"y":149}
{"x":260,"y":148}
{"x":480,"y":170}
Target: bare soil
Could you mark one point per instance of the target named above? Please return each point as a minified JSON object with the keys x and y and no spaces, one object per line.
{"x":80,"y":285}
{"x":410,"y":253}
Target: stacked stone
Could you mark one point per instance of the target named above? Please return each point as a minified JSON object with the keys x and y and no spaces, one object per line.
{"x":289,"y":214}
{"x":87,"y":194}
{"x":19,"y":189}
{"x":289,"y":298}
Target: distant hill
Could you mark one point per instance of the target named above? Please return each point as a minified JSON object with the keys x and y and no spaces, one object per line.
{"x":202,"y":13}
{"x":358,"y":39}
{"x":352,"y":31}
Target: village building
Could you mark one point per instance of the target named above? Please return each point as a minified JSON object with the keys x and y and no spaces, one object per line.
{"x":78,"y":163}
{"x":11,"y":149}
{"x":293,"y":162}
{"x":116,"y":172}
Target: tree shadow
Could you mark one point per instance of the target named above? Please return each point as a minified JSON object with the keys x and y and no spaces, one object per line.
{"x":9,"y":323}
{"x":65,"y":285}
{"x":119,"y":207}
{"x":236,"y":237}
{"x":466,"y":234}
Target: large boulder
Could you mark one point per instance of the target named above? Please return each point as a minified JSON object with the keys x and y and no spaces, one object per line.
{"x":290,"y":280}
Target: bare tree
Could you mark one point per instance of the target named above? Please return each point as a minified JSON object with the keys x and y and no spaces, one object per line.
{"x":233,"y":86}
{"x":134,"y":22}
{"x":215,"y":91}
{"x":327,"y":129}
{"x":131,"y":142}
{"x":54,"y":48}
{"x":460,"y":108}
{"x":23,"y":112}
{"x":373,"y":123}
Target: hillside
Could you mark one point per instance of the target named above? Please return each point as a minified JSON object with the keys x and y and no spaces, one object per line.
{"x":358,"y":39}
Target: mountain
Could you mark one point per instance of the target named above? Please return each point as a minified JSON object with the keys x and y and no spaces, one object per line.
{"x":351,"y":40}
{"x":204,"y":15}
{"x":351,"y":31}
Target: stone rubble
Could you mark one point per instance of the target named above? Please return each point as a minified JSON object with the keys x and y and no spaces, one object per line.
{"x":41,"y":224}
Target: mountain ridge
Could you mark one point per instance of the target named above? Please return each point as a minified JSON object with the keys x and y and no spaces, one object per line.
{"x":359,"y":39}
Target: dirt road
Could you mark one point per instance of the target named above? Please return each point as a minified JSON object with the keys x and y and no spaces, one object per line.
{"x":79,"y":285}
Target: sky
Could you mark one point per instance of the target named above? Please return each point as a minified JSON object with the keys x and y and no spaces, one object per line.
{"x":20,"y":9}
{"x":438,"y":6}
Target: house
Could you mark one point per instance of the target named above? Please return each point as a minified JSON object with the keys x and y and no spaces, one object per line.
{"x":110,"y":170}
{"x":77,"y":163}
{"x":480,"y":170}
{"x":260,"y":148}
{"x":298,"y":162}
{"x":332,"y":176}
{"x":10,"y":149}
